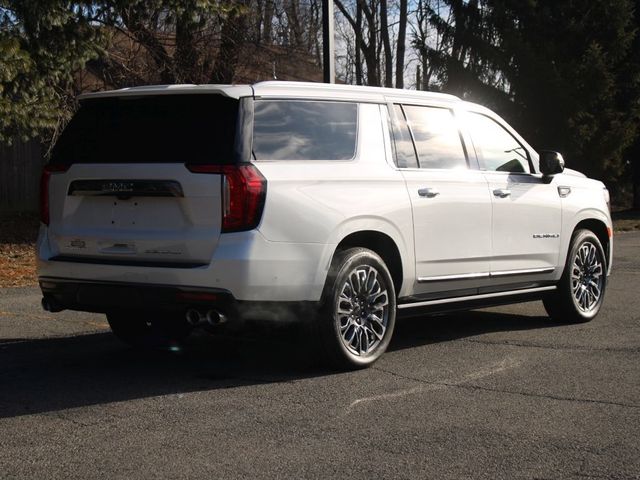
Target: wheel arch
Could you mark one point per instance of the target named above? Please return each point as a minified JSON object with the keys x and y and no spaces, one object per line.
{"x":600,"y":230}
{"x":383,"y":245}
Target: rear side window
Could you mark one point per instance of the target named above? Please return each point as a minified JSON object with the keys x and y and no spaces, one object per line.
{"x":497,"y":149}
{"x":151,"y":129}
{"x":436,"y":137}
{"x":304,"y":130}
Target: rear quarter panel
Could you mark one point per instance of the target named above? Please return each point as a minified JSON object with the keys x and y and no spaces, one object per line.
{"x":324,"y":201}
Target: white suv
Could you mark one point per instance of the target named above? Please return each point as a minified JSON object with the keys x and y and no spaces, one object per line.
{"x":166,"y":207}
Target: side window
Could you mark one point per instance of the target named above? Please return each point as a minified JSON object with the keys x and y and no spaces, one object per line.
{"x":436,"y":137}
{"x":497,"y":149}
{"x":304,"y":130}
{"x":405,"y":153}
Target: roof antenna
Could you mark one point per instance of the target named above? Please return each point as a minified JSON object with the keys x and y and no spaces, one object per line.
{"x":274,"y":70}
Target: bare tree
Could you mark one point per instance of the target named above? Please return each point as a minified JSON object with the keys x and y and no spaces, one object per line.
{"x":368,"y":47}
{"x":400,"y":46}
{"x":386,"y":43}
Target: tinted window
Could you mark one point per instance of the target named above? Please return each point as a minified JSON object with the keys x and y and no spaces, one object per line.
{"x":497,"y":149}
{"x":164,"y":128}
{"x":405,"y":153}
{"x":436,"y":136}
{"x":304,"y":130}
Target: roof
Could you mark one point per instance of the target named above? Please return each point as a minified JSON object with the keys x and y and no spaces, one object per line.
{"x":234,"y":91}
{"x":278,"y":89}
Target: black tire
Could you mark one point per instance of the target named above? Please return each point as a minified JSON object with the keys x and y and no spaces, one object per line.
{"x":369,"y":337}
{"x":574,"y":300}
{"x":144,"y":329}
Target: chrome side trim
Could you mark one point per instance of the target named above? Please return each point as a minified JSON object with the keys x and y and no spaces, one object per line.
{"x":476,"y":297}
{"x":506,"y":273}
{"x":446,"y":278}
{"x":467,"y":276}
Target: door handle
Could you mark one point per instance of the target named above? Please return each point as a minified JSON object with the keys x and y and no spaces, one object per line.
{"x":502,"y":192}
{"x":428,"y":192}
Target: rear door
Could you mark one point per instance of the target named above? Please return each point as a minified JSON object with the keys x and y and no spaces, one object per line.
{"x":527,"y":213}
{"x":450,"y":201}
{"x":128,"y":195}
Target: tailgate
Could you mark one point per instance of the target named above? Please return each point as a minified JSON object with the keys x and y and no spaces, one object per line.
{"x":135,"y":213}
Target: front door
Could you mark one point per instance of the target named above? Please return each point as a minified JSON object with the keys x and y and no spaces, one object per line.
{"x":526,"y":212}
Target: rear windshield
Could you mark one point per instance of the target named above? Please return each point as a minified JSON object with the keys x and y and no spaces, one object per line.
{"x":151,"y":129}
{"x":304,"y":130}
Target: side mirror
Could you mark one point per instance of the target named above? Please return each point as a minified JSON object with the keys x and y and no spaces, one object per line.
{"x":551,"y":163}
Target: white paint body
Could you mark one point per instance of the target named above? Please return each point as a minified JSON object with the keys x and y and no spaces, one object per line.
{"x":311,"y":206}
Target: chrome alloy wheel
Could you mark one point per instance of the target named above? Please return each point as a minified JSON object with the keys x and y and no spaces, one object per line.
{"x":362,"y":310}
{"x":587,"y":277}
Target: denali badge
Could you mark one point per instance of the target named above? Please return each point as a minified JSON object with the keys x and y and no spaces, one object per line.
{"x":546,"y":235}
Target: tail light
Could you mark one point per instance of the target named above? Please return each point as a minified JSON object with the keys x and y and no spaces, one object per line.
{"x":243,"y":194}
{"x":47,"y":171}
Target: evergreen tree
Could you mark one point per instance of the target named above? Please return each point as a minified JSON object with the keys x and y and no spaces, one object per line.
{"x":42,"y":43}
{"x":561,"y":71}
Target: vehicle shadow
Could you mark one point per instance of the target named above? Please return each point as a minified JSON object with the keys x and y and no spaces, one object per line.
{"x":53,"y":374}
{"x":412,"y":332}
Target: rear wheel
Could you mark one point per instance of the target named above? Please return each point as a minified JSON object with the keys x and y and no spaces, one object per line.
{"x":357,"y":318}
{"x":149,"y":329}
{"x":581,"y":289}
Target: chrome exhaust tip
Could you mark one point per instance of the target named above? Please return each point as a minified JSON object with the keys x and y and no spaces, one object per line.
{"x":194,"y":317}
{"x":215,"y":317}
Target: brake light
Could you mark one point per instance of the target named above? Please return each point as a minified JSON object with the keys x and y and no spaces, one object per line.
{"x":243,"y":194}
{"x":47,"y":171}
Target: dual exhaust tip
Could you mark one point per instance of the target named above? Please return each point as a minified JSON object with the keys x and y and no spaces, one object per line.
{"x":194,"y":317}
{"x":211,"y":317}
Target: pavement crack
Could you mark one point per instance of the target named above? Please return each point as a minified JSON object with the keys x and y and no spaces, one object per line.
{"x":423,"y":386}
{"x":467,"y":386}
{"x":552,"y":347}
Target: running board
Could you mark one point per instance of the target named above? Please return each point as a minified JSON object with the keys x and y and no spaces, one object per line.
{"x":484,"y":296}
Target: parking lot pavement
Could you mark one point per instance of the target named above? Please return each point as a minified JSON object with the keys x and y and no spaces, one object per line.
{"x":498,"y":393}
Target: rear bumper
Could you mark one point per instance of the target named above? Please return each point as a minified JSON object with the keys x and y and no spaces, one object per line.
{"x":245,"y":264}
{"x":102,"y":297}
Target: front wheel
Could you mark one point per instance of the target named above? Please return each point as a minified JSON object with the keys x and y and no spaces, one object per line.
{"x":358,"y":315}
{"x":581,"y":289}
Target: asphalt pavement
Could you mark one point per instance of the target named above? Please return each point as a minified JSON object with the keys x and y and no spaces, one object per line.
{"x":497,"y":393}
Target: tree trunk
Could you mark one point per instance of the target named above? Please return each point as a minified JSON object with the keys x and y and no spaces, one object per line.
{"x":232,"y":38}
{"x":267,"y":22}
{"x":400,"y":49}
{"x":148,"y":39}
{"x":635,"y":173}
{"x":186,"y":57}
{"x":384,"y":33}
{"x":358,"y":32}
